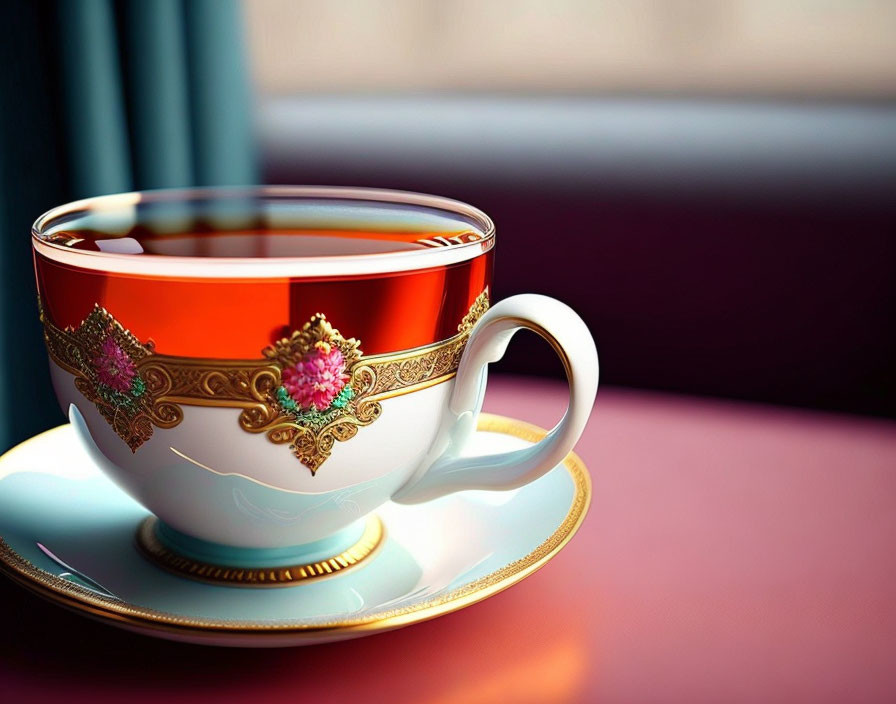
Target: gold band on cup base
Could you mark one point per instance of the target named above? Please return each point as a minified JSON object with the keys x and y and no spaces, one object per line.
{"x":287,"y":576}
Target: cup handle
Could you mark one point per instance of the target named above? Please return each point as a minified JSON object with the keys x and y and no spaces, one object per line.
{"x":445,"y":470}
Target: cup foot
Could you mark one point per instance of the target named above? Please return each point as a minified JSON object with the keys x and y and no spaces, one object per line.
{"x":250,"y":567}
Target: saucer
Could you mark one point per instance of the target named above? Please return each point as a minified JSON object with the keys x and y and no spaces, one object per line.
{"x":67,"y":533}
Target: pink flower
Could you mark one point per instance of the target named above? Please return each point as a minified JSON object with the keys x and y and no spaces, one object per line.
{"x":113,"y":366}
{"x":318,"y":378}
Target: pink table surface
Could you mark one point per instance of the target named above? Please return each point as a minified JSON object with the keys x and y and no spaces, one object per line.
{"x":732,"y":553}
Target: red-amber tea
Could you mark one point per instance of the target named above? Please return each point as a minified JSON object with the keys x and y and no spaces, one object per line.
{"x":282,"y":262}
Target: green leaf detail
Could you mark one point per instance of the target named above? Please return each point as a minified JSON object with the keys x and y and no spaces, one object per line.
{"x":116,"y":398}
{"x":343,"y":398}
{"x":287,"y":403}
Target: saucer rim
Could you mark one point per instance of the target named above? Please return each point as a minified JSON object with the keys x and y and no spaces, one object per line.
{"x":116,"y":612}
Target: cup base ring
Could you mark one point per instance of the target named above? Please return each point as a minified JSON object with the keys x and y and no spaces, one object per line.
{"x":156,"y":550}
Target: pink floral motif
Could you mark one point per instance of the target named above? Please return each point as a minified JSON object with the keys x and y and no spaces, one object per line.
{"x":113,"y":366}
{"x":318,"y":378}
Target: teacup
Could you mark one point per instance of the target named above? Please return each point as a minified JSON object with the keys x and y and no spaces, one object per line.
{"x":261,"y":368}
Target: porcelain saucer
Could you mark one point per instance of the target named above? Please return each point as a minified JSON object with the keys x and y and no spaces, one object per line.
{"x":67,"y":533}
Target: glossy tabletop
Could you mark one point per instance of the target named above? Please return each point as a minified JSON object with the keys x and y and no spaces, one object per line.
{"x":733,"y":553}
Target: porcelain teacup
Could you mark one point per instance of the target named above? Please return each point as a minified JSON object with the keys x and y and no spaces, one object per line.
{"x":261,"y":368}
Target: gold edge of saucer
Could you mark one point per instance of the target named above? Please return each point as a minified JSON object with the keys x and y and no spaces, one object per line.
{"x":266,"y":577}
{"x":104,"y":608}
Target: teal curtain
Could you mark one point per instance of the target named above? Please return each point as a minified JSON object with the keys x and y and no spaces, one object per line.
{"x":100,"y":97}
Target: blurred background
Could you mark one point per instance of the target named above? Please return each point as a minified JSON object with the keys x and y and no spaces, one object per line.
{"x":708,"y":182}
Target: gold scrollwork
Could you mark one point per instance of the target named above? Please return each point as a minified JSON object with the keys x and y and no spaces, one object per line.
{"x":104,"y":358}
{"x":312,"y":432}
{"x":255,"y":387}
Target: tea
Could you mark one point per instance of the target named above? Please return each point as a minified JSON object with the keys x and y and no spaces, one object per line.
{"x":219,"y":317}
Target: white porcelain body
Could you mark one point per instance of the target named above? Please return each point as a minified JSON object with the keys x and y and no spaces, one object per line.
{"x":239,"y":489}
{"x":212,"y":480}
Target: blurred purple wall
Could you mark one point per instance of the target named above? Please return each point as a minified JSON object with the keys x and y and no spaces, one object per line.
{"x":746,"y":251}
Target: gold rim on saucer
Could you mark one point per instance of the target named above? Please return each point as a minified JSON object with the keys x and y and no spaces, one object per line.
{"x":153,"y":549}
{"x":135,"y":617}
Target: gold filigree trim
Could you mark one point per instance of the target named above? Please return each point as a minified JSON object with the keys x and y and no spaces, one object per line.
{"x":113,"y":610}
{"x":255,"y":387}
{"x":477,"y":310}
{"x":310,"y":431}
{"x":155,"y":550}
{"x":104,"y":357}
